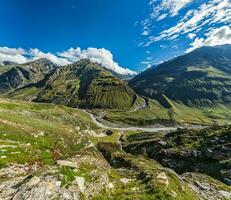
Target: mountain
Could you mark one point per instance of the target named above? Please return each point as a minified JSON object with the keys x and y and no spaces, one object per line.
{"x":54,"y":152}
{"x":83,"y":84}
{"x":14,"y":76}
{"x":201,"y":78}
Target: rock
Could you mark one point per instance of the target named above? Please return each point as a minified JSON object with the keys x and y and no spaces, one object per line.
{"x":209,"y":153}
{"x":227,"y":181}
{"x":107,"y":132}
{"x":203,"y":186}
{"x":196,"y":153}
{"x":67,"y":163}
{"x":174,"y":194}
{"x":2,"y":157}
{"x":34,"y":181}
{"x":13,"y":170}
{"x":225,"y":194}
{"x":77,"y":128}
{"x":125,"y":180}
{"x":163,"y":143}
{"x":163,"y":179}
{"x":219,"y":156}
{"x":110,"y":186}
{"x":80,"y":181}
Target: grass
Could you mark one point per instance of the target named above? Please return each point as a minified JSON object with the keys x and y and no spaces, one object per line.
{"x":205,"y":150}
{"x":146,"y":171}
{"x":44,"y":132}
{"x":155,"y":113}
{"x":83,"y":84}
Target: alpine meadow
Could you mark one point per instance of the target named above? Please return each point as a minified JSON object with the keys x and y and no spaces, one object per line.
{"x":107,"y":100}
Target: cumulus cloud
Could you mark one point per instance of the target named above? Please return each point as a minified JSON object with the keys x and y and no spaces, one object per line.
{"x":101,"y":56}
{"x":214,"y":12}
{"x":12,"y":55}
{"x":216,"y":36}
{"x":37,"y":54}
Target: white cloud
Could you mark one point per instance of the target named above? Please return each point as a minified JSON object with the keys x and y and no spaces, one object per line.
{"x":171,"y":7}
{"x":214,"y":12}
{"x":145,"y":32}
{"x":191,"y":35}
{"x":101,"y":56}
{"x":161,"y":9}
{"x":12,"y":55}
{"x":37,"y":54}
{"x":11,"y":51}
{"x":216,"y":36}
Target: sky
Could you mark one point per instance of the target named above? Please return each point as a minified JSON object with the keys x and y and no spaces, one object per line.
{"x":127,"y":36}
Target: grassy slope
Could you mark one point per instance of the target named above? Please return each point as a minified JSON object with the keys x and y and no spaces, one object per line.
{"x":32,"y":132}
{"x":82,"y":84}
{"x":199,"y":78}
{"x":205,"y":151}
{"x":35,"y":131}
{"x":175,"y":113}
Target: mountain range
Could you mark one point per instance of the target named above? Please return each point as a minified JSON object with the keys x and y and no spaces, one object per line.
{"x":14,"y":76}
{"x":83,"y":84}
{"x":197,"y":79}
{"x":50,"y":149}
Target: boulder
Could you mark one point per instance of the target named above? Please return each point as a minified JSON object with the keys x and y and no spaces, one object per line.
{"x":107,"y":132}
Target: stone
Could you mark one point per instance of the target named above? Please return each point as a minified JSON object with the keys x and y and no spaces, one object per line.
{"x":125,"y":180}
{"x":110,"y":186}
{"x":225,"y":194}
{"x":34,"y":181}
{"x":227,"y":181}
{"x":107,"y":132}
{"x":80,"y":181}
{"x":67,"y":163}
{"x":174,"y":194}
{"x":163,"y":179}
{"x":77,"y":128}
{"x":163,"y":143}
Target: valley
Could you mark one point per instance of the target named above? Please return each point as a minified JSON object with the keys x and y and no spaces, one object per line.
{"x":63,"y":152}
{"x":81,"y":132}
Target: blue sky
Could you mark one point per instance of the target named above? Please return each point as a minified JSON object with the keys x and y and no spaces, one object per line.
{"x":137,"y":33}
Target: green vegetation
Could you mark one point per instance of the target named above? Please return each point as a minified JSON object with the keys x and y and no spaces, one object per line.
{"x":15,"y":76}
{"x":148,"y":172}
{"x":172,"y":113}
{"x":199,"y":78}
{"x":206,"y":150}
{"x":40,"y":132}
{"x":83,"y":84}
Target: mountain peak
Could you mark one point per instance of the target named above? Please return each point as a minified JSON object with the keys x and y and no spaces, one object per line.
{"x":201,"y":77}
{"x":41,"y":61}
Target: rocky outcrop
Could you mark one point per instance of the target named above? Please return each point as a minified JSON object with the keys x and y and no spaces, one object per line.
{"x":206,"y":151}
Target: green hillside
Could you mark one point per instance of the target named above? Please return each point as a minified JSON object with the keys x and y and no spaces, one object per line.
{"x":199,"y":78}
{"x":14,"y":76}
{"x":57,"y":152}
{"x":83,"y":84}
{"x":206,"y":151}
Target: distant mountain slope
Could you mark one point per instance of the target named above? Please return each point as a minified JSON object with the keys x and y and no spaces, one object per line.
{"x":13,"y":76}
{"x":201,"y":77}
{"x":82,"y":84}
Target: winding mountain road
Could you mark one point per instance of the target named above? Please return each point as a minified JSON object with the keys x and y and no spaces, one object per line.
{"x":95,"y":119}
